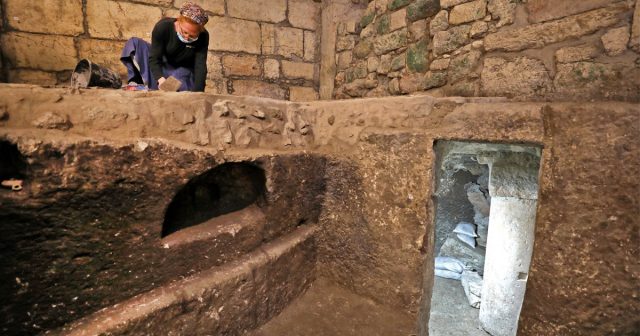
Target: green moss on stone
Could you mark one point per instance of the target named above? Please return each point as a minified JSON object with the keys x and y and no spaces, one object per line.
{"x":422,"y":9}
{"x":395,"y":4}
{"x":367,"y":19}
{"x":417,"y":57}
{"x":382,"y":24}
{"x":363,"y":49}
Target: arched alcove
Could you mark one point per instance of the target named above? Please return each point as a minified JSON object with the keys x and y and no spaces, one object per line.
{"x":13,"y":165}
{"x":224,"y":189}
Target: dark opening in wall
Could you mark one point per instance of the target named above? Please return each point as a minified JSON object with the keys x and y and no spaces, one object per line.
{"x":12,"y":163}
{"x":227,"y":188}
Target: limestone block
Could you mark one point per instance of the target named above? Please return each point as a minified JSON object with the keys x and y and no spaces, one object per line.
{"x":344,"y":60}
{"x":545,"y":10}
{"x":258,"y":10}
{"x":523,"y":77}
{"x":162,"y":3}
{"x":576,"y":54}
{"x":385,"y":64}
{"x":214,"y":67}
{"x":439,"y":22}
{"x":63,"y":17}
{"x":615,"y":41}
{"x":422,"y":9}
{"x":451,"y":3}
{"x":310,"y":46}
{"x":213,"y":6}
{"x":304,"y":14}
{"x":450,"y":40}
{"x":433,"y":79}
{"x":271,"y":68}
{"x":418,"y":30}
{"x":297,"y":70}
{"x":385,"y":43}
{"x":462,"y":66}
{"x":32,"y":77}
{"x":289,"y":42}
{"x":399,"y":62}
{"x":346,"y":42}
{"x":257,"y":88}
{"x":44,"y":52}
{"x":588,"y":80}
{"x":440,"y":64}
{"x":268,"y":36}
{"x":505,"y":10}
{"x":358,"y":71}
{"x":478,"y":29}
{"x":373,"y":63}
{"x":539,"y":35}
{"x":227,"y":33}
{"x":104,"y":53}
{"x":398,"y":19}
{"x":363,"y":49}
{"x":417,"y":56}
{"x":121,"y":20}
{"x":468,"y":12}
{"x":241,"y":65}
{"x":395,"y":4}
{"x":634,"y":42}
{"x":299,"y":94}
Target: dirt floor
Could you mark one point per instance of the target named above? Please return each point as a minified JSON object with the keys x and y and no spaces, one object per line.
{"x":327,"y":309}
{"x":451,"y":314}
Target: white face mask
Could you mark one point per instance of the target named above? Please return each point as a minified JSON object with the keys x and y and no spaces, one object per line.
{"x":183,"y":40}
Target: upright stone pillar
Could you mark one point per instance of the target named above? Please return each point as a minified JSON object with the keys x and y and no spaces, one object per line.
{"x":513,"y":186}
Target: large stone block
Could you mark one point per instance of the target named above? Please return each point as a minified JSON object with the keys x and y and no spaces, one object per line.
{"x":258,"y":10}
{"x":615,"y":41}
{"x":545,"y":10}
{"x":397,"y":20}
{"x":450,"y":40}
{"x":522,"y":77}
{"x":268,"y":36}
{"x":271,"y":68}
{"x":634,"y":42}
{"x":44,"y":52}
{"x":298,"y":70}
{"x":121,"y":20}
{"x":300,"y":94}
{"x":257,"y":88}
{"x":505,"y":10}
{"x":385,"y":43}
{"x":468,"y":12}
{"x":451,"y":3}
{"x":304,"y":14}
{"x":104,"y":53}
{"x":539,"y":35}
{"x":234,"y":35}
{"x":310,"y":46}
{"x":289,"y":42}
{"x":63,"y":17}
{"x":32,"y":77}
{"x":439,"y":22}
{"x":576,"y":54}
{"x":422,"y":9}
{"x":162,"y":3}
{"x":588,"y":80}
{"x":213,"y":6}
{"x":241,"y":65}
{"x":214,"y":67}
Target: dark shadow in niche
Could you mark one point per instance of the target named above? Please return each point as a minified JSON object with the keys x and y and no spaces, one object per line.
{"x":12,"y":163}
{"x":224,"y":189}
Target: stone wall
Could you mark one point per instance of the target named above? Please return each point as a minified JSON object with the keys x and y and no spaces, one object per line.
{"x":258,"y":47}
{"x":536,"y":49}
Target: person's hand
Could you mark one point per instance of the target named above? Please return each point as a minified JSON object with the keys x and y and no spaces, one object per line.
{"x":161,"y":80}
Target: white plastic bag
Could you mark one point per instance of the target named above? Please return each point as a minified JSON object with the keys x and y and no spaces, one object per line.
{"x":472,"y":285}
{"x":466,"y":229}
{"x":467,"y":240}
{"x":448,"y":274}
{"x":449,"y":264}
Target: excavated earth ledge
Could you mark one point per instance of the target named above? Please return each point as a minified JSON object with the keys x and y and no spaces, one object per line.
{"x":100,"y":168}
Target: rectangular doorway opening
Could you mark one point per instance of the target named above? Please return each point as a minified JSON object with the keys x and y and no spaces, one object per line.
{"x":485,"y":200}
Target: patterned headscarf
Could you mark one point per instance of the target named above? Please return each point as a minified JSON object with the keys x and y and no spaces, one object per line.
{"x":194,"y":12}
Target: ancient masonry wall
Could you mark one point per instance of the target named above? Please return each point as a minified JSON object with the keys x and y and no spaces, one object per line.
{"x":265,"y":48}
{"x":536,"y":49}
